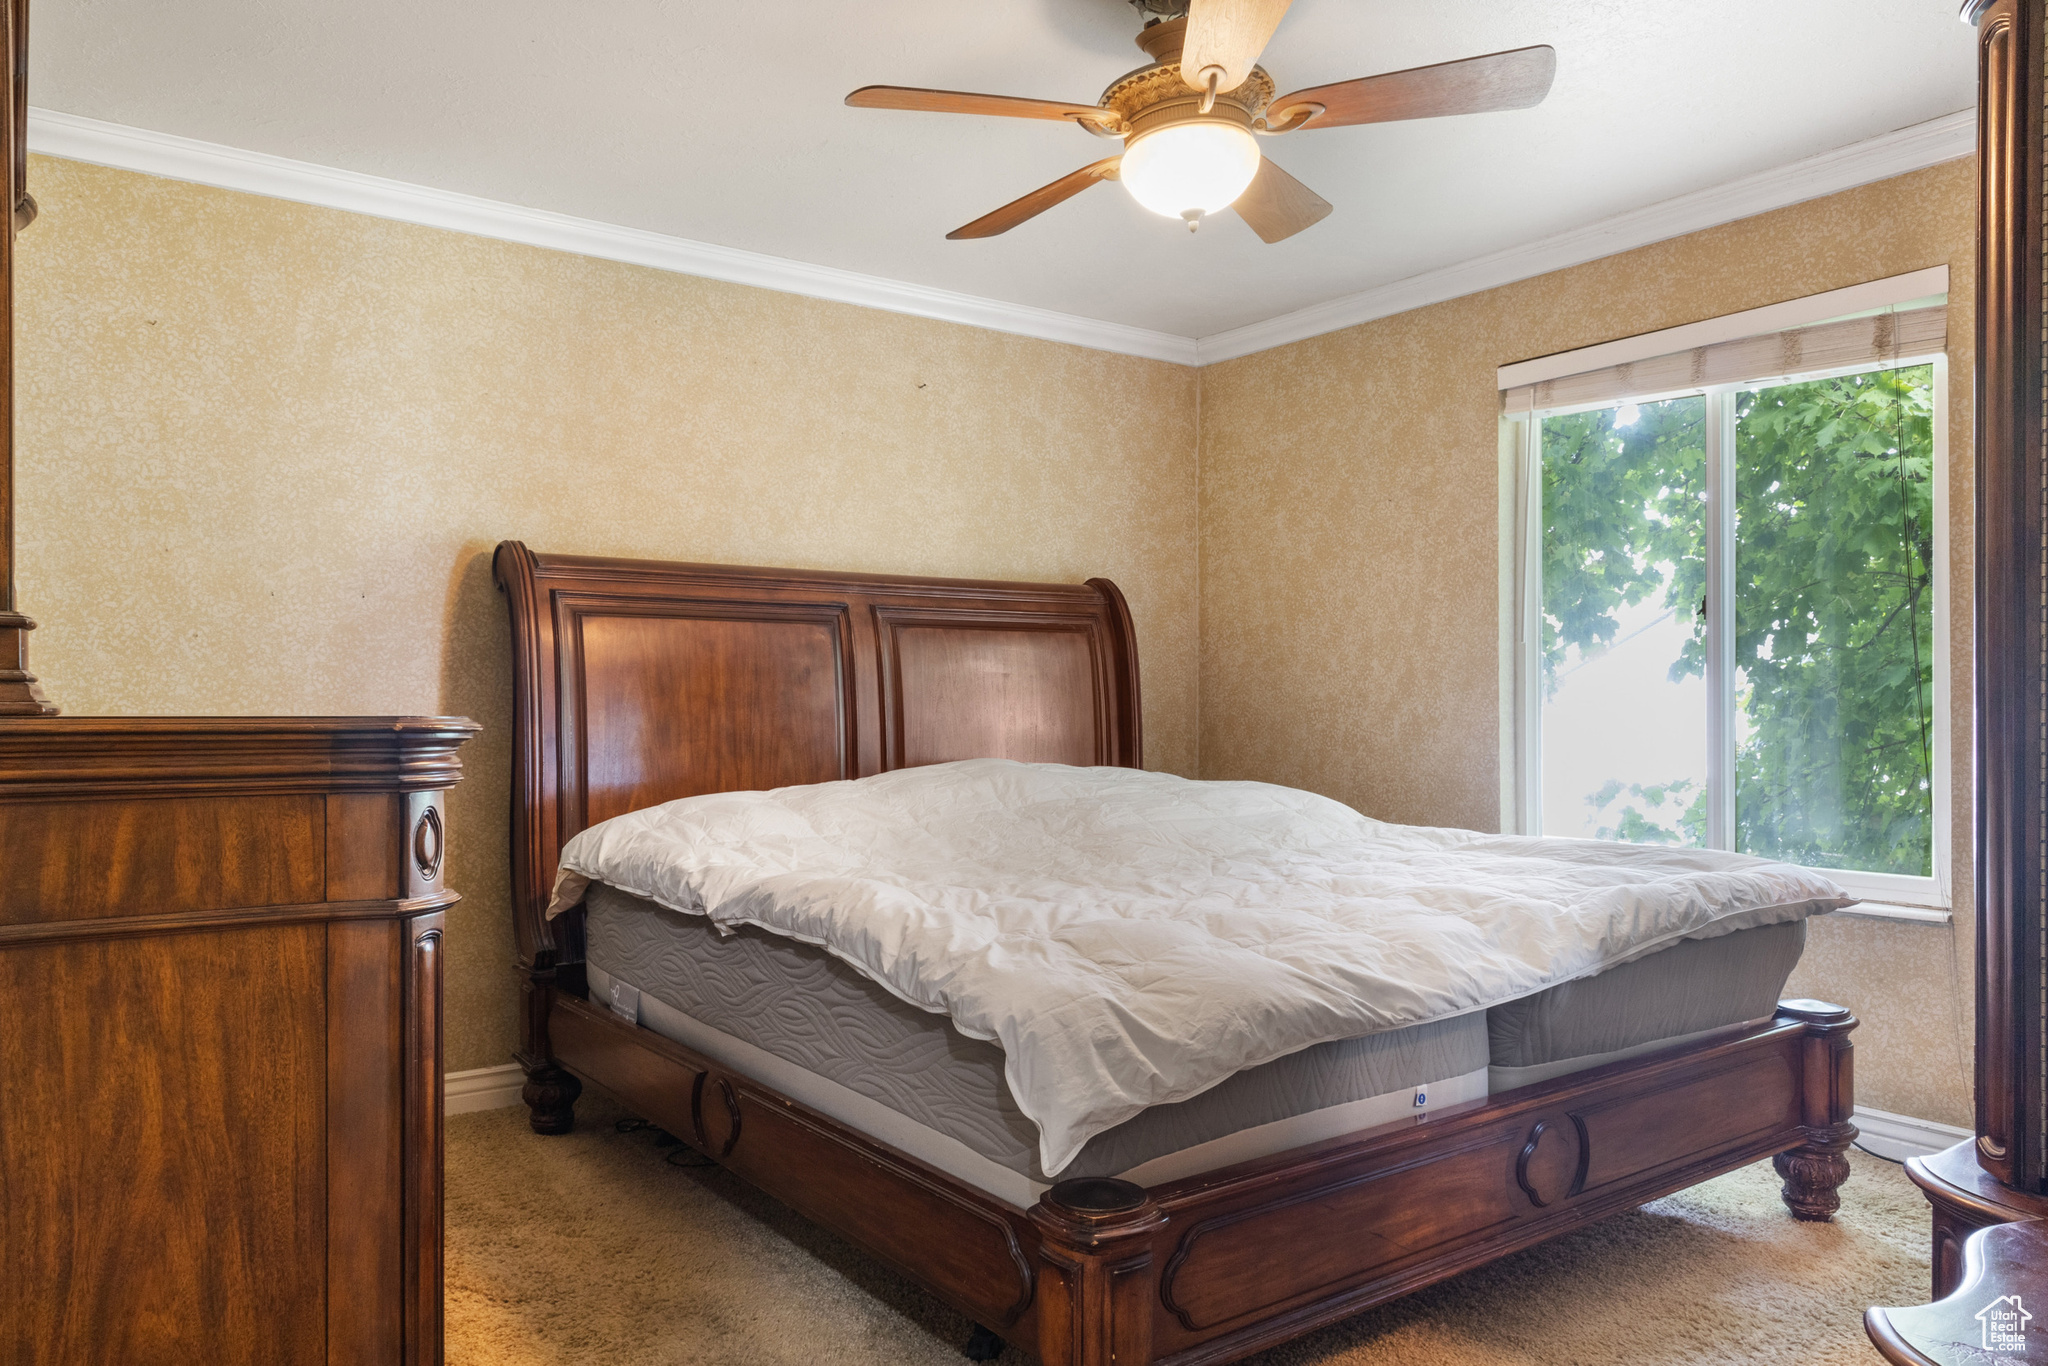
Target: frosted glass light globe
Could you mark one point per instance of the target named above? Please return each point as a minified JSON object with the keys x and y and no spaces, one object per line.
{"x":1190,"y":168}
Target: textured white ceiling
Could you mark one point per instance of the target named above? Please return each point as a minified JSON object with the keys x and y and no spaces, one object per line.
{"x":724,"y":123}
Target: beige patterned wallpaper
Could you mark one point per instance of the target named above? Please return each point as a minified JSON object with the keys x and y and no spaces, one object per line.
{"x":1350,"y":546}
{"x":266,"y":449}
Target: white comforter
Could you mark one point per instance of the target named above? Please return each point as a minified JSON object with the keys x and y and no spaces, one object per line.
{"x":1132,"y":939}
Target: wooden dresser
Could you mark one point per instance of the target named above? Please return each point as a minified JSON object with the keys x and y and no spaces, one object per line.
{"x":220,"y":1016}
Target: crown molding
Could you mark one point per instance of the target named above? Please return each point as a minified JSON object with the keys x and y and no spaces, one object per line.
{"x":1909,"y":149}
{"x":134,"y":149}
{"x":206,"y":163}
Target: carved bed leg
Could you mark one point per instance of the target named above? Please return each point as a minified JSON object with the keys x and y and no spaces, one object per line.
{"x":1813,"y":1176}
{"x":1096,"y":1280}
{"x":1815,"y":1170}
{"x":550,"y":1095}
{"x":550,"y":1091}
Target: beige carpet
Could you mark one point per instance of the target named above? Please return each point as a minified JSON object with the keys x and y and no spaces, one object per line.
{"x":592,"y":1249}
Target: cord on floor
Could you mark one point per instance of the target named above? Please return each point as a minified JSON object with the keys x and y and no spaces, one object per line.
{"x":1895,"y":1161}
{"x":679,"y":1155}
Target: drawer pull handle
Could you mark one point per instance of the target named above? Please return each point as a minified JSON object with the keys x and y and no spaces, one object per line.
{"x":426,"y":843}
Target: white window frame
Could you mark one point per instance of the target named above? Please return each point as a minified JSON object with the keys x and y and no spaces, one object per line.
{"x":1885,"y":894}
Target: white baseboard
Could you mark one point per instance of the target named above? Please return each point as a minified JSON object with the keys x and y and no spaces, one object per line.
{"x":484,"y":1088}
{"x":1899,"y":1137}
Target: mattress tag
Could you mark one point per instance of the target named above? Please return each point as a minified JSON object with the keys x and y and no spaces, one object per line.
{"x":625,"y":1002}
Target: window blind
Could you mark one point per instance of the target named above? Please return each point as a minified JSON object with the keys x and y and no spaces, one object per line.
{"x":1875,"y":340}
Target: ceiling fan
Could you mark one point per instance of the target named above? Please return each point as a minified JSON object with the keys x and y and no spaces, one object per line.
{"x":1187,"y":120}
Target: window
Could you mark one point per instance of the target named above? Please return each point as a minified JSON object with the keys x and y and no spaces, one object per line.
{"x":1622,"y":663}
{"x":1731,"y":611}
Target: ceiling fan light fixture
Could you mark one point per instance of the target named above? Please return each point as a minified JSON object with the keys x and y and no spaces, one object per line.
{"x":1187,"y":117}
{"x":1190,"y":169}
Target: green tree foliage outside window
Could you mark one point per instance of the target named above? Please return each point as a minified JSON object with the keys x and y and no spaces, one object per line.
{"x":1624,"y":522}
{"x":1834,"y":642}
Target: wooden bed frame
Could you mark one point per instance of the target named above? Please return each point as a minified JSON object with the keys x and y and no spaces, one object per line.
{"x":638,"y":682}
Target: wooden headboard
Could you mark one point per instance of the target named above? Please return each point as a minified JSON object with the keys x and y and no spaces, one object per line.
{"x":636,"y":682}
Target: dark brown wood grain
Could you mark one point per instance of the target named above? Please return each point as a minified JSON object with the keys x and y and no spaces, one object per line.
{"x":1204,"y":1270}
{"x":422,"y":845}
{"x":163,"y":1183}
{"x":638,"y":682}
{"x":1278,"y":1245}
{"x":99,"y":758}
{"x":420,"y":1218}
{"x":119,"y":926}
{"x":953,"y":687}
{"x":659,"y":1078}
{"x":2005,"y":1262}
{"x":365,"y":846}
{"x":1098,"y":1251}
{"x":815,"y":1165}
{"x":219,"y":1020}
{"x":677,"y":705}
{"x":1815,"y":1171}
{"x":1239,"y":1259}
{"x":24,"y":203}
{"x":1244,"y":1256}
{"x":2011,"y":1109}
{"x":88,"y":860}
{"x":1964,"y":1197}
{"x":365,"y":1098}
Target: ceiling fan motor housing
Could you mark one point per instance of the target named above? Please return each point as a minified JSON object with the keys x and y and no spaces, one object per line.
{"x":1155,"y":96}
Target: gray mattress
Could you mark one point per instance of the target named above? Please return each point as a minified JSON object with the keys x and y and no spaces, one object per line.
{"x":1692,"y":987}
{"x":809,"y":1009}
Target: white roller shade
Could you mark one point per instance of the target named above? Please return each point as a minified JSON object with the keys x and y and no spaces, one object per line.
{"x":1879,"y":339}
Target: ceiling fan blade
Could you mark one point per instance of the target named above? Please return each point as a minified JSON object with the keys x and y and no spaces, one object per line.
{"x":1037,"y":202}
{"x":966,"y":102}
{"x":1227,"y":36}
{"x":1277,"y":205}
{"x":1476,"y":85}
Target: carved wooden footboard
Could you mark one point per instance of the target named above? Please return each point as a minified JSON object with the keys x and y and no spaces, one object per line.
{"x":1210,"y":1269}
{"x":1225,"y":1264}
{"x":637,"y":683}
